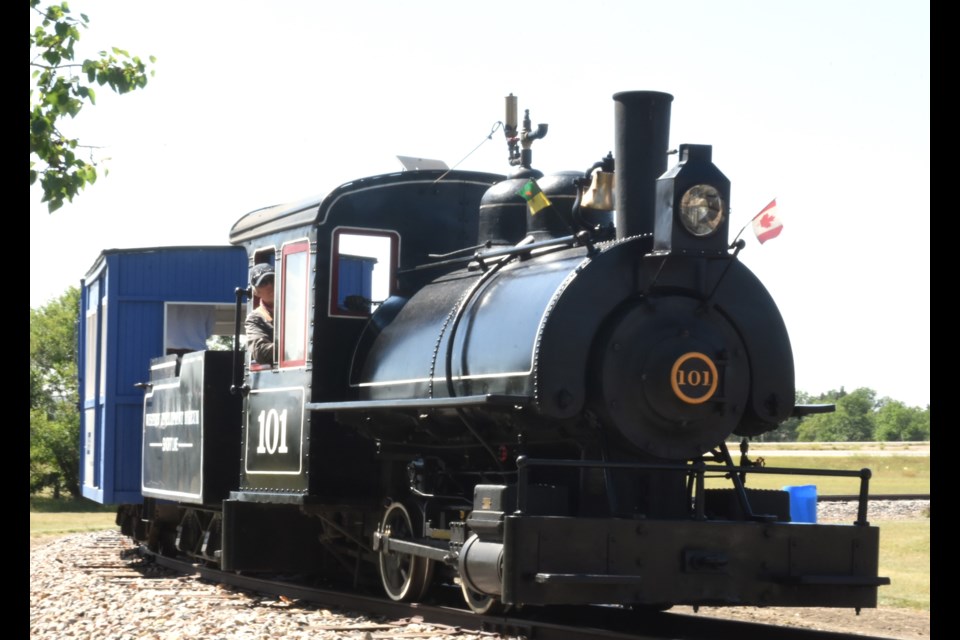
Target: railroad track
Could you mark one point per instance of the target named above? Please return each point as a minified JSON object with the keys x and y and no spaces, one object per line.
{"x":101,"y":585}
{"x":541,"y":623}
{"x":893,"y":497}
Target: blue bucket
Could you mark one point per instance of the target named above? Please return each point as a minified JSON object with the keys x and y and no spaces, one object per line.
{"x":803,"y":502}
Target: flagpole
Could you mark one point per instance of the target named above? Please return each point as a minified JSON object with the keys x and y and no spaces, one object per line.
{"x":744,"y":228}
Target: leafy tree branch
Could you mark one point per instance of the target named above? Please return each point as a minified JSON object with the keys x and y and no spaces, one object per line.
{"x":57,"y":92}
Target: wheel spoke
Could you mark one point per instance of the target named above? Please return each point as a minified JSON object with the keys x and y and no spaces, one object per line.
{"x":405,"y":577}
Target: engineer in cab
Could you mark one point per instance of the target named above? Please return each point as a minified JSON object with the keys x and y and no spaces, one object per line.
{"x":259,"y":322}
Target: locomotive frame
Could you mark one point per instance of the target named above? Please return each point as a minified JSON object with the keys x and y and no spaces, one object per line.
{"x":523,"y":400}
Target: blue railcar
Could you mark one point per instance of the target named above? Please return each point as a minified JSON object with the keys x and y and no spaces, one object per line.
{"x":135,"y":305}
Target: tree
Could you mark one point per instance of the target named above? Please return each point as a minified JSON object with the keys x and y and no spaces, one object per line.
{"x":58,"y":91}
{"x":853,"y":421}
{"x":54,"y":410}
{"x":900,"y":423}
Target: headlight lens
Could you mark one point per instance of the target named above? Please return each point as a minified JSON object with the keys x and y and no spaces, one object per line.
{"x":702,"y":210}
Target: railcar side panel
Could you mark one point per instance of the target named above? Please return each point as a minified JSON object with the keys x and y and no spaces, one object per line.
{"x":135,"y":305}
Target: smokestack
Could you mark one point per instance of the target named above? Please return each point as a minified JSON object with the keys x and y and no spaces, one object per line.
{"x":642,"y":120}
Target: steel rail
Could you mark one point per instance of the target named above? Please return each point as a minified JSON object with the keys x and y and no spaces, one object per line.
{"x":892,"y":497}
{"x":535,"y":623}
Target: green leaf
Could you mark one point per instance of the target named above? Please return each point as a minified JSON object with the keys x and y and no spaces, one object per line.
{"x":39,"y":125}
{"x":57,"y":90}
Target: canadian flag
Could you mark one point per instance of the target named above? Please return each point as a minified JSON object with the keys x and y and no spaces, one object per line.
{"x":766,"y":224}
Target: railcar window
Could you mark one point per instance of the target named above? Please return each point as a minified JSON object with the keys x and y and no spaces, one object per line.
{"x":187,"y":327}
{"x":103,"y":347}
{"x":363,"y":270}
{"x":94,"y":352}
{"x":195,"y":326}
{"x":90,"y":341}
{"x":294,"y":296}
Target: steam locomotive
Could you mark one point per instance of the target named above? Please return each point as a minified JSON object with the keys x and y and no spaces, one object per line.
{"x":522,"y":385}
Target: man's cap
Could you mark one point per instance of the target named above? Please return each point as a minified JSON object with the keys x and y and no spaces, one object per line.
{"x":260,"y":272}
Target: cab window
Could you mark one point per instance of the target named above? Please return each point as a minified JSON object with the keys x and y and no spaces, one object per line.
{"x":294,"y":295}
{"x":263,"y":255}
{"x":363,"y":270}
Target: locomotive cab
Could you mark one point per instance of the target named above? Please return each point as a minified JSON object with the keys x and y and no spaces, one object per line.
{"x":332,"y":268}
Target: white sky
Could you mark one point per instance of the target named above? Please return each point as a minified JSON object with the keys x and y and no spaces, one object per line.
{"x":824,"y":105}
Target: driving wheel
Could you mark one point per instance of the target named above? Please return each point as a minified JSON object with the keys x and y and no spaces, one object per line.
{"x":405,"y":577}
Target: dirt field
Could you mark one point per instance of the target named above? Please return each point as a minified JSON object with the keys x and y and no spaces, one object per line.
{"x":901,"y":624}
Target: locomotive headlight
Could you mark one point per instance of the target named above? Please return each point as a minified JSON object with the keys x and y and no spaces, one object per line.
{"x":701,"y":210}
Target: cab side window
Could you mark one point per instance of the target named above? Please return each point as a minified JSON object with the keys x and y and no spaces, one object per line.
{"x":262,"y":256}
{"x":363,"y":270}
{"x":294,"y":296}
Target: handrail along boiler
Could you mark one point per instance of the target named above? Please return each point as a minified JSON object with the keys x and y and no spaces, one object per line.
{"x":530,"y":408}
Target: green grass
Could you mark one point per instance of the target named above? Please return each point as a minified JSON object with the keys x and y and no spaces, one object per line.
{"x":905,"y":559}
{"x":51,"y":518}
{"x":45,"y":525}
{"x":46,"y":504}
